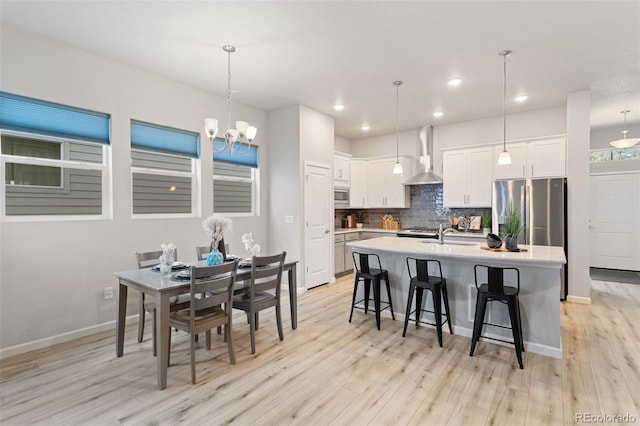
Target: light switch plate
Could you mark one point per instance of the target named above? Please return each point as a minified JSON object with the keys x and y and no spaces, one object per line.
{"x":288,"y":219}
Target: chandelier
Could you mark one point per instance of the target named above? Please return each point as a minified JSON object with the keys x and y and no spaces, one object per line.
{"x":236,"y":140}
{"x":624,"y":142}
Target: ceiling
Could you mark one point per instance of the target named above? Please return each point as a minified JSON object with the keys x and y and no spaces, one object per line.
{"x":322,"y":53}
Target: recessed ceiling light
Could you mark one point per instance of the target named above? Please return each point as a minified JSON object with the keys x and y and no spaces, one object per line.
{"x":454,"y":82}
{"x":338,"y":107}
{"x":365,"y":127}
{"x":521,"y":98}
{"x":438,"y":114}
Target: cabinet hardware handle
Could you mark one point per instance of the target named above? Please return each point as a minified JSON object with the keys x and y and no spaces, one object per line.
{"x":523,"y":171}
{"x":532,"y":170}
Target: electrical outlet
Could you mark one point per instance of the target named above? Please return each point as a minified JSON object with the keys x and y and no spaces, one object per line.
{"x":108,"y":293}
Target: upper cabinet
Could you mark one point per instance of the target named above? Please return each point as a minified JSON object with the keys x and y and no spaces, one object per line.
{"x":341,"y":170}
{"x":547,"y":158}
{"x":536,"y":159}
{"x":467,"y":177}
{"x":358,"y":189}
{"x":385,"y":189}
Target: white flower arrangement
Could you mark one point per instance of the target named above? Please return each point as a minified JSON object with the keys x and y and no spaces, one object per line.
{"x":251,"y":248}
{"x":168,"y":254}
{"x":215,"y":227}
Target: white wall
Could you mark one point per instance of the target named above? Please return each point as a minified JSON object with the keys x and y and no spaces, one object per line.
{"x":385,"y":145}
{"x":341,"y":144}
{"x":578,"y":130}
{"x":284,"y":184}
{"x":53,"y":273}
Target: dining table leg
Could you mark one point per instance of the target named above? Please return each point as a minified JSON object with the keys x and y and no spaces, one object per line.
{"x":121,"y":318}
{"x":162,"y":338}
{"x":293,"y":295}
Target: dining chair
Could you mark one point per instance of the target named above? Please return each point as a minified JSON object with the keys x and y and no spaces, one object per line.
{"x":210,"y":306}
{"x":149,"y":259}
{"x":262,"y":292}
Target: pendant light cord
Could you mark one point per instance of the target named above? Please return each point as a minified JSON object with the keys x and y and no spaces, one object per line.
{"x":227,"y":134}
{"x":397,"y":120}
{"x":504,"y":102}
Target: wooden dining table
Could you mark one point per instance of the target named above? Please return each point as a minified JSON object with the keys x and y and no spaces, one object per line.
{"x":162,"y":289}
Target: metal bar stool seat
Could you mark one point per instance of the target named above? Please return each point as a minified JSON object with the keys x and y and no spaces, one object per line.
{"x":420,"y":281}
{"x":495,"y":290}
{"x":369,"y":275}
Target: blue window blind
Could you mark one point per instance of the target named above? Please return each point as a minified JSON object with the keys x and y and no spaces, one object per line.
{"x":164,"y":139}
{"x":249,"y":158}
{"x":38,"y":117}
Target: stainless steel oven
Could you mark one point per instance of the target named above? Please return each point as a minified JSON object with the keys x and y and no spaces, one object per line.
{"x":341,"y":197}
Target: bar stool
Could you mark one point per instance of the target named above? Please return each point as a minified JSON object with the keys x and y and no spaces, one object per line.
{"x":364,"y":272}
{"x":420,"y":281}
{"x":494,"y":289}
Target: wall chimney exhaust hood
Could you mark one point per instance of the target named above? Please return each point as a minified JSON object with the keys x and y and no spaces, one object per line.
{"x":425,"y":176}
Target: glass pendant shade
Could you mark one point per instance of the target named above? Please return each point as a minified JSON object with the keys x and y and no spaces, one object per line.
{"x":397,"y":169}
{"x":233,"y":134}
{"x":624,"y":143}
{"x":251,"y":133}
{"x":241,"y":127}
{"x":504,"y":158}
{"x":211,"y":127}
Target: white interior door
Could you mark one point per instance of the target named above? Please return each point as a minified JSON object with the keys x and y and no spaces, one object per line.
{"x":318,"y":223}
{"x":615,"y":209}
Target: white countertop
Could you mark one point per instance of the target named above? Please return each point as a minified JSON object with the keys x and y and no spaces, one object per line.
{"x":543,"y":256}
{"x":339,"y":231}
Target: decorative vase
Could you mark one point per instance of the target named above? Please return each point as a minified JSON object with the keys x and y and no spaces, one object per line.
{"x":220,"y":248}
{"x":511,"y":243}
{"x":358,"y":225}
{"x":165,"y":269}
{"x":215,"y":258}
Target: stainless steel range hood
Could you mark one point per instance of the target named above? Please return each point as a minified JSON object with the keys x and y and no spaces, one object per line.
{"x":425,"y":176}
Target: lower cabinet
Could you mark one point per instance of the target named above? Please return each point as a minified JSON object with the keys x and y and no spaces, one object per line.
{"x":342,"y":258}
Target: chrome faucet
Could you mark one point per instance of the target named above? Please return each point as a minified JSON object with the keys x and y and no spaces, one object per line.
{"x":442,"y":232}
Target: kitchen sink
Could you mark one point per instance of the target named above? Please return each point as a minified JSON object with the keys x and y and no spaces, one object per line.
{"x":450,"y":243}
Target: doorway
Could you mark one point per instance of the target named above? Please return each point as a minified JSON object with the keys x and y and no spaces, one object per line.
{"x":318,"y":223}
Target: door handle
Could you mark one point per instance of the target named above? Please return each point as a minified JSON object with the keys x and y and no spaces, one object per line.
{"x":326,"y":231}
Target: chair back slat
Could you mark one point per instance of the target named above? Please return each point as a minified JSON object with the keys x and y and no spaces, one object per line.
{"x":202,"y":252}
{"x":366,"y":262}
{"x":495,"y":280}
{"x":266,"y":273}
{"x":212,"y":285}
{"x":419,"y":269}
{"x":148,"y":259}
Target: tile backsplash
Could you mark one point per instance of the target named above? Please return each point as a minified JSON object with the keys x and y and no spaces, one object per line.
{"x":426,"y":210}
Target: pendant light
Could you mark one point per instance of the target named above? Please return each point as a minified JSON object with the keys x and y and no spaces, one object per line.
{"x":624,"y":142}
{"x":397,"y":168}
{"x":236,"y":140}
{"x":504,"y":158}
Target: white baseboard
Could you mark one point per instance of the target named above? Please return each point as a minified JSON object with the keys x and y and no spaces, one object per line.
{"x":61,"y":338}
{"x":578,"y":299}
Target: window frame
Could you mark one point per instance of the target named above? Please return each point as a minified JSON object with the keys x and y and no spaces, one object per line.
{"x":193,"y":174}
{"x":64,"y":164}
{"x":254,"y":180}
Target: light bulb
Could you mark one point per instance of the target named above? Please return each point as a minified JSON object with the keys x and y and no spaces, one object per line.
{"x":211,"y":127}
{"x":251,"y":133}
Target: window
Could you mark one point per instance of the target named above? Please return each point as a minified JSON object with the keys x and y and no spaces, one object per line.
{"x":614,"y":154}
{"x":54,"y":159}
{"x":163,"y":164}
{"x":235,"y":181}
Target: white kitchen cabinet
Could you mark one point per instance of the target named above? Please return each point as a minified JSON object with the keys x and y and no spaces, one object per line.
{"x":358,"y":188}
{"x":518,"y":167}
{"x":338,"y":254}
{"x":341,"y":170}
{"x":348,"y":257}
{"x":547,"y":158}
{"x":535,"y":159}
{"x":384,"y":188}
{"x":467,"y":177}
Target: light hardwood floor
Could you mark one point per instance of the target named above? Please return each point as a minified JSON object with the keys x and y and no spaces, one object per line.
{"x":330,"y":372}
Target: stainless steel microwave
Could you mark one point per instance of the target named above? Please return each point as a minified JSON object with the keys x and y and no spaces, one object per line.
{"x":341,"y":197}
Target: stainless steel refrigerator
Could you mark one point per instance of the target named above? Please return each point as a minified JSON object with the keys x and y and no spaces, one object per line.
{"x":542,"y":204}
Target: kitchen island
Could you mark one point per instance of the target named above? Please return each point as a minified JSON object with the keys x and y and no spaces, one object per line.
{"x":540,"y":273}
